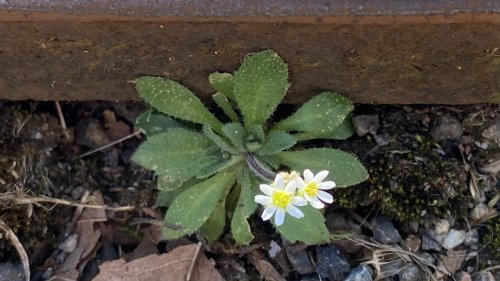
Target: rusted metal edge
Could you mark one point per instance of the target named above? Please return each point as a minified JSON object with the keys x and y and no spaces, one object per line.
{"x":259,"y":8}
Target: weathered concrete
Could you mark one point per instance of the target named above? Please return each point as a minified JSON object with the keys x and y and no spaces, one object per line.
{"x":373,"y":51}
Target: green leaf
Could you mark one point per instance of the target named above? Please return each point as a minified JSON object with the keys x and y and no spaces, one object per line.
{"x":194,"y":206}
{"x":259,"y":86}
{"x":226,"y":106}
{"x":223,"y":83}
{"x":168,"y":183}
{"x":310,"y":229}
{"x":275,"y":142}
{"x":175,"y":100}
{"x":246,"y":206}
{"x":256,"y":133}
{"x":344,"y":131}
{"x":217,"y":167}
{"x":167,"y":196}
{"x":178,"y":153}
{"x":345,"y":169}
{"x":218,"y":140}
{"x":270,"y":160}
{"x":236,"y":134}
{"x":155,"y":123}
{"x":214,"y":226}
{"x":320,"y":115}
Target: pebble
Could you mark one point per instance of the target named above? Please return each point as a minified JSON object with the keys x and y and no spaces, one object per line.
{"x":331,"y":263}
{"x":310,"y":277}
{"x":429,"y":243}
{"x":447,"y":127}
{"x":442,"y":227}
{"x":463,"y":276}
{"x":69,"y":245}
{"x":429,"y":258}
{"x":472,"y":237}
{"x":360,"y":273}
{"x":274,"y":249}
{"x":493,"y":132}
{"x":484,"y":276}
{"x":410,"y":273}
{"x":299,"y":259}
{"x":479,"y":212}
{"x":384,"y":231}
{"x":454,"y":238}
{"x":413,"y":243}
{"x":365,"y":124}
{"x":11,"y":272}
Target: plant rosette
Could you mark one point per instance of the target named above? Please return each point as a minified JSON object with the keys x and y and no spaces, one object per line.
{"x":209,"y":170}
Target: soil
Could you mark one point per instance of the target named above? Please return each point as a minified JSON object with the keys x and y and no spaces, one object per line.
{"x":414,"y":180}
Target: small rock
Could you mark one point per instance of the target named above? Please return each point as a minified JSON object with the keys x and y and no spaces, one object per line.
{"x":463,"y":276}
{"x":442,"y":227}
{"x":299,"y":259}
{"x":472,"y":237}
{"x":447,"y":127}
{"x":11,"y":272}
{"x":410,"y":273}
{"x":365,"y":124}
{"x":454,"y":238}
{"x":360,"y":273}
{"x":430,"y":244}
{"x":310,"y":277}
{"x":382,"y":139}
{"x":479,"y":212}
{"x":484,"y":276}
{"x":413,"y":243}
{"x":77,"y":192}
{"x":274,"y":250}
{"x":451,"y":262}
{"x":429,"y":258}
{"x":390,"y":268}
{"x":493,"y":132}
{"x":384,"y":231}
{"x":69,"y":245}
{"x":91,"y":133}
{"x":331,"y":263}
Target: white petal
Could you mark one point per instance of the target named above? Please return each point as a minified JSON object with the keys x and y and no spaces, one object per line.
{"x":316,"y":203}
{"x":279,"y":217}
{"x":300,"y":182}
{"x":320,"y":176}
{"x":266,"y":189}
{"x":262,"y":199}
{"x":279,"y":182}
{"x":294,"y":212}
{"x":291,"y":187}
{"x":298,"y":201}
{"x":325,"y":196}
{"x":308,"y":175}
{"x":268,"y":213}
{"x":327,"y":185}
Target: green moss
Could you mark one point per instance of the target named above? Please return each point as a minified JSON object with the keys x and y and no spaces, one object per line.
{"x":491,"y":239}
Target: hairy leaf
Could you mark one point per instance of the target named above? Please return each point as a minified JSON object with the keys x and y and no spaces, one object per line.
{"x":344,"y":131}
{"x":345,"y":169}
{"x":175,"y":100}
{"x":236,"y":134}
{"x":217,"y":167}
{"x":223,"y":83}
{"x":246,"y":206}
{"x":167,"y":196}
{"x":155,"y":123}
{"x":178,"y":153}
{"x":310,"y":229}
{"x":191,"y":209}
{"x":219,"y":141}
{"x":214,"y":226}
{"x":275,"y":142}
{"x":270,"y":160}
{"x":322,"y":114}
{"x":259,"y":86}
{"x":168,"y":183}
{"x":256,"y":133}
{"x":226,"y":106}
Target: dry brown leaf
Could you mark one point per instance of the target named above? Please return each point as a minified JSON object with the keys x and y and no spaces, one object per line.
{"x":265,"y":268}
{"x":172,"y":266}
{"x":492,"y":168}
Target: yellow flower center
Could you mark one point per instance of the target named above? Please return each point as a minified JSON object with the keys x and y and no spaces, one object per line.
{"x":281,"y":199}
{"x":311,"y":189}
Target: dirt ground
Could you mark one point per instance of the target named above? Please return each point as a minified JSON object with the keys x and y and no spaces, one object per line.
{"x":426,"y":163}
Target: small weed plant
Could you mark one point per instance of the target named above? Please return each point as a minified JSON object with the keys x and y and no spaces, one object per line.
{"x":213,"y":173}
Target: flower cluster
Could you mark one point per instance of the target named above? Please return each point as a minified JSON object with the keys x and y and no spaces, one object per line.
{"x":290,"y":191}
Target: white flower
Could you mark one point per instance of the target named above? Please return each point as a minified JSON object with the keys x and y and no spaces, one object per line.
{"x":312,"y":188}
{"x":280,"y":199}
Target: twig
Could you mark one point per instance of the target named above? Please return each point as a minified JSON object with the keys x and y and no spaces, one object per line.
{"x":20,"y":199}
{"x":138,"y":132}
{"x":61,"y":120}
{"x":10,"y":235}
{"x":193,"y":261}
